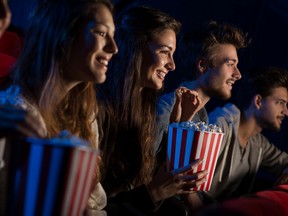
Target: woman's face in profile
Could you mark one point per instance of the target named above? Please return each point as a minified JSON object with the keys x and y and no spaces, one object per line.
{"x":93,"y":48}
{"x":158,"y":59}
{"x":5,"y":16}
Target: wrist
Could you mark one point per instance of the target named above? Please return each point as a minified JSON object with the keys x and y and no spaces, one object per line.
{"x":153,"y":192}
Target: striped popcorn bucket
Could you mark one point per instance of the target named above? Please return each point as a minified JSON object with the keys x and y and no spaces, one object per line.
{"x":49,"y":177}
{"x":186,"y":145}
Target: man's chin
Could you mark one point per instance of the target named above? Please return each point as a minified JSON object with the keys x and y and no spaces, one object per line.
{"x":275,"y":128}
{"x":225,"y":96}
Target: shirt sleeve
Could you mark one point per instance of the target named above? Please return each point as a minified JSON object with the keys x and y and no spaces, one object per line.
{"x":164,"y":109}
{"x":274,"y":160}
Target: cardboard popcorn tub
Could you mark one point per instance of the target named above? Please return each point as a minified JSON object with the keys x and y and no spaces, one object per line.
{"x":188,"y":141}
{"x":51,"y":176}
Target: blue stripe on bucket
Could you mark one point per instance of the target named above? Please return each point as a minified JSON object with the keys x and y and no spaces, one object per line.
{"x":169,"y":148}
{"x":178,"y":148}
{"x":33,"y":177}
{"x":53,"y":180}
{"x":189,"y":142}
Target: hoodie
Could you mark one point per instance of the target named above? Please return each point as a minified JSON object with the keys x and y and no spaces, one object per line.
{"x":235,"y":172}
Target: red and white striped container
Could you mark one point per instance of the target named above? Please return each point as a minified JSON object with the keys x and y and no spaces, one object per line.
{"x":186,"y":145}
{"x":51,"y":177}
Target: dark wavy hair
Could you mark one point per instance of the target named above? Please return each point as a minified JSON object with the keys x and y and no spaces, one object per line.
{"x":127,"y":144}
{"x":260,"y":80}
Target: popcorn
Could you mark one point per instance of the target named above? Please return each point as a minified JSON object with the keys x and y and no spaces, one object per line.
{"x":188,"y":141}
{"x":198,"y":126}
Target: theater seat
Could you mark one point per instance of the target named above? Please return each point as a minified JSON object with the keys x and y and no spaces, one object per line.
{"x":6,"y":64}
{"x":264,"y":203}
{"x":10,"y":44}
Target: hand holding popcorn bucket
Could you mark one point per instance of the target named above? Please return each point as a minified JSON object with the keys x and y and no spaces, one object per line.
{"x":51,"y":176}
{"x":189,"y":141}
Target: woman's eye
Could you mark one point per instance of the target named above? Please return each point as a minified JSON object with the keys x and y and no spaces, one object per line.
{"x":102,"y":34}
{"x":165,"y":52}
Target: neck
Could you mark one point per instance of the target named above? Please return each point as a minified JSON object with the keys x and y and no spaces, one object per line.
{"x":248,"y":127}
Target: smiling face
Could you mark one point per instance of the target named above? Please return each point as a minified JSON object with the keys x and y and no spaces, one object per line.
{"x":93,"y":48}
{"x":158,"y":59}
{"x":273,"y":109}
{"x":217,"y":81}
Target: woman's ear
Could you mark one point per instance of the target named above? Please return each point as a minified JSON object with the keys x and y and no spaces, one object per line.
{"x":257,"y":101}
{"x":201,"y":65}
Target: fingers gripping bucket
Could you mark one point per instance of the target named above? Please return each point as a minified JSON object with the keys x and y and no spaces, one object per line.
{"x":50,"y":177}
{"x":185,"y":144}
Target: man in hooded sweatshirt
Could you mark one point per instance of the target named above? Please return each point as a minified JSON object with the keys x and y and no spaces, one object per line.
{"x":262,"y":104}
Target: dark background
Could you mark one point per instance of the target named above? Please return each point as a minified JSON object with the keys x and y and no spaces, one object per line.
{"x":265,"y":22}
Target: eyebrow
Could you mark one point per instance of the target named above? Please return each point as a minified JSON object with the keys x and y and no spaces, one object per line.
{"x":161,"y":46}
{"x":230,"y":59}
{"x":165,"y":46}
{"x":284,"y":101}
{"x":279,"y":99}
{"x":101,"y":23}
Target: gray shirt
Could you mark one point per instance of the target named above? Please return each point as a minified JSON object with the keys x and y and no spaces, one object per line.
{"x":235,"y":172}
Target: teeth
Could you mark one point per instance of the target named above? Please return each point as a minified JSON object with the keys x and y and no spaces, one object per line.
{"x":162,"y":74}
{"x":103,"y":61}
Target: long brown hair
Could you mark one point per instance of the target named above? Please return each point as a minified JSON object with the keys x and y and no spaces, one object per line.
{"x":51,"y":33}
{"x":128,"y":127}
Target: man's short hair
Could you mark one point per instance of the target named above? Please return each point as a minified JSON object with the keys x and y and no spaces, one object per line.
{"x":202,"y":43}
{"x":260,"y":81}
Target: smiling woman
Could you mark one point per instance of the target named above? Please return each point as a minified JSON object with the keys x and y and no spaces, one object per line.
{"x":96,"y":43}
{"x":67,"y":49}
{"x":147,"y":40}
{"x":158,"y":59}
{"x":129,"y":95}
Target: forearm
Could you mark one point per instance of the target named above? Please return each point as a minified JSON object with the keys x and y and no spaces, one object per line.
{"x":176,"y":113}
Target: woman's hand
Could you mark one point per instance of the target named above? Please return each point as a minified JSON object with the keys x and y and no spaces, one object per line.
{"x":167,"y":184}
{"x":18,"y":121}
{"x":186,"y":105}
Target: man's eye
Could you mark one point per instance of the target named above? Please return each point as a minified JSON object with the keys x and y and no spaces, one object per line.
{"x":281,"y":103}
